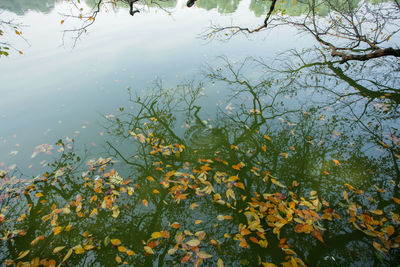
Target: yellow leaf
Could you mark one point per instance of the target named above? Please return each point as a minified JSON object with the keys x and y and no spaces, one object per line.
{"x":94,"y":212}
{"x":155,"y":191}
{"x":346,"y":196}
{"x":23,"y":254}
{"x":88,"y":247}
{"x":349,"y":187}
{"x":277,"y":183}
{"x":220,"y":263}
{"x":66,"y":257}
{"x":115,"y":212}
{"x":145,"y":202}
{"x":79,"y":249}
{"x":193,"y":242}
{"x":58,"y":249}
{"x":193,"y":206}
{"x":122,"y":249}
{"x":118,"y":259}
{"x":267,"y":264}
{"x":115,"y":242}
{"x":230,"y":193}
{"x":156,"y":235}
{"x":34,"y":241}
{"x":39,"y":195}
{"x":57,"y":230}
{"x":240,"y":185}
{"x":148,"y":250}
{"x":130,"y":252}
{"x":293,"y":262}
{"x":377,"y":212}
{"x":197,"y":221}
{"x":203,"y":255}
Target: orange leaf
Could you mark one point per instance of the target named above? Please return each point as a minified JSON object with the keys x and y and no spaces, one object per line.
{"x":145,"y":202}
{"x":175,"y":225}
{"x":337,"y":162}
{"x":245,"y":231}
{"x":238,"y":166}
{"x":397,"y":200}
{"x":240,"y":185}
{"x":317,"y":235}
{"x":186,"y":258}
{"x":253,"y":239}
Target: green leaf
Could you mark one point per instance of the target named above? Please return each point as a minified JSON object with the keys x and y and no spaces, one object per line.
{"x":106,"y":240}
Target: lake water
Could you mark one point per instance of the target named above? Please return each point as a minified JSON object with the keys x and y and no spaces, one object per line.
{"x":223,"y":143}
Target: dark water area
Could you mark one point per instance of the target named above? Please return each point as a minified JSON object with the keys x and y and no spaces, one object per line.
{"x":150,"y":145}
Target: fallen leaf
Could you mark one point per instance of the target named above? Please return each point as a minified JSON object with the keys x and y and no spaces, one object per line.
{"x":23,"y":254}
{"x":115,"y":242}
{"x":58,"y":249}
{"x":193,"y":242}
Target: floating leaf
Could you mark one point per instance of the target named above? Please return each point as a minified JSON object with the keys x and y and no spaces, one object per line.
{"x":69,"y":253}
{"x":148,"y":250}
{"x":193,"y":242}
{"x":193,"y":206}
{"x":156,"y":235}
{"x":397,"y":200}
{"x":377,"y":212}
{"x":122,"y":249}
{"x":186,"y":258}
{"x":106,"y":240}
{"x":175,"y":225}
{"x":23,"y":254}
{"x":58,"y":249}
{"x":79,"y":249}
{"x":203,"y":255}
{"x":346,"y":196}
{"x":238,"y":166}
{"x":94,"y":212}
{"x":267,"y":264}
{"x":34,"y":241}
{"x":267,"y":137}
{"x":337,"y":162}
{"x":115,"y":242}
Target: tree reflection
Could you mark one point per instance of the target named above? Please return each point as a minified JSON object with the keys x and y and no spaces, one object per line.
{"x":259,"y":181}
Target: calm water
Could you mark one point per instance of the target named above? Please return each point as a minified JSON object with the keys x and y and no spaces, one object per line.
{"x":213,"y":137}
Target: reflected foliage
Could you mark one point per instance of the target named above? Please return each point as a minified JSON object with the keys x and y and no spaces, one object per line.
{"x":267,"y":177}
{"x":20,"y":7}
{"x":222,"y":6}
